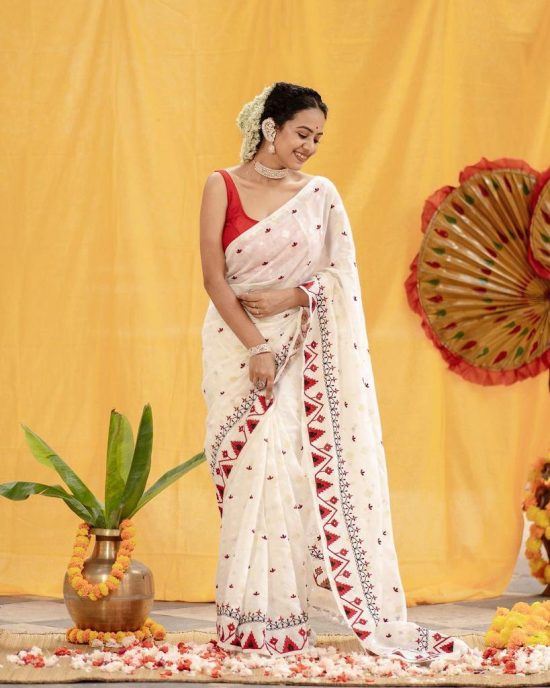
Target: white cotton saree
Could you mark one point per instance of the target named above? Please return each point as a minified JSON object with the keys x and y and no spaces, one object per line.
{"x":301,"y":481}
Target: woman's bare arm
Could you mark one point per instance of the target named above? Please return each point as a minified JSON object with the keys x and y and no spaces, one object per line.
{"x":212,"y":219}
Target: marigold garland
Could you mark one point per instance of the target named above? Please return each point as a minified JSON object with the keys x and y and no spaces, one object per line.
{"x":94,"y":591}
{"x":523,"y":625}
{"x":536,"y":505}
{"x":150,"y":629}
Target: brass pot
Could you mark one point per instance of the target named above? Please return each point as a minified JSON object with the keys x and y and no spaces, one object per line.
{"x":124,"y":609}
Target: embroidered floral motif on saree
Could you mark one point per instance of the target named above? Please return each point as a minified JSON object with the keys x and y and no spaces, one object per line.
{"x":301,"y":481}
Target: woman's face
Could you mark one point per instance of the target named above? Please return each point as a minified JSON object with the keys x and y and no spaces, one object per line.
{"x":298,"y":138}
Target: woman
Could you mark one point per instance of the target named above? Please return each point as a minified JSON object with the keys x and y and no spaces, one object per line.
{"x":293,"y":436}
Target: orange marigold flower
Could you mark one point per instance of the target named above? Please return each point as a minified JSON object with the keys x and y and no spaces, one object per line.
{"x":536,"y":531}
{"x":493,"y":639}
{"x":126,"y":523}
{"x":518,"y":638}
{"x":118,"y":573}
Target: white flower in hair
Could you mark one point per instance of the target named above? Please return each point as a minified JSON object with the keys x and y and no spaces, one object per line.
{"x":248,"y":121}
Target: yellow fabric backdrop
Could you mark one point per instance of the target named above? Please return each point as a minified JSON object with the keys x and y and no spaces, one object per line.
{"x":113,"y":114}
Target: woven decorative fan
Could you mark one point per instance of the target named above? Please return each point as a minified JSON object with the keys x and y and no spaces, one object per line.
{"x":539,"y":229}
{"x":480,"y":299}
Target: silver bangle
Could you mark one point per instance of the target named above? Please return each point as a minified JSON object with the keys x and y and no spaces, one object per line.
{"x":259,"y":348}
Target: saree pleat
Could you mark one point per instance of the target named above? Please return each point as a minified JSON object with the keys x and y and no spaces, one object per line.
{"x":301,"y":481}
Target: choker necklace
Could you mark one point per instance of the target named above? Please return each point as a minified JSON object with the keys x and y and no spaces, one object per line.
{"x":269,"y":171}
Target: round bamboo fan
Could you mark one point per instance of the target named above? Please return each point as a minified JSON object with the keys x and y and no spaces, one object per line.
{"x":481,"y":302}
{"x":539,"y":228}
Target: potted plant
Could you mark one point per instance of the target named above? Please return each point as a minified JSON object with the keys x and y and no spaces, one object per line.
{"x":110,"y":591}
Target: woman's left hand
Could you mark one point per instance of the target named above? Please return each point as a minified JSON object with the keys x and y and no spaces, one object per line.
{"x":263,"y":303}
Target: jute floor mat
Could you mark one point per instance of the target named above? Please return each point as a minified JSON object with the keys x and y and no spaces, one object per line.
{"x":11,"y":643}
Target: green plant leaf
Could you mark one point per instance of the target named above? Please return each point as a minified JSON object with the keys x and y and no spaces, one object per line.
{"x":18,"y":491}
{"x":167,"y":479}
{"x":141,"y":465}
{"x":120,"y":448}
{"x":45,"y":455}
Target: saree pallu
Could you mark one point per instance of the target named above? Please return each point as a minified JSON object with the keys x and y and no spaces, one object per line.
{"x":301,"y":481}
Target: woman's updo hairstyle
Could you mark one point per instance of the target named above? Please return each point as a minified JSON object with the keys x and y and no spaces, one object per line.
{"x":281,"y":101}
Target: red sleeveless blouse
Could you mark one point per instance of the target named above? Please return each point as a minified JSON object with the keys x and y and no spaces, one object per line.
{"x":236,"y":220}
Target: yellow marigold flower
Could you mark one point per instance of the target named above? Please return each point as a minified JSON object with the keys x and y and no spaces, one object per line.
{"x":533,"y":544}
{"x":140,"y":635}
{"x":542,"y":519}
{"x":111,"y":586}
{"x":515,"y":619}
{"x":537,"y":639}
{"x":123,"y":559}
{"x":81,"y":592}
{"x":505,"y":635}
{"x":73,"y":570}
{"x":148,"y":622}
{"x":103,"y":589}
{"x":107,"y":635}
{"x":116,"y":567}
{"x":498,"y":623}
{"x":80,"y":636}
{"x":493,"y":639}
{"x":120,"y":635}
{"x":112,"y":579}
{"x":92,"y":597}
{"x":78,"y":552}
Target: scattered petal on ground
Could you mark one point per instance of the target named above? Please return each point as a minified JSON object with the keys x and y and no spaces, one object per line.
{"x":194,"y":659}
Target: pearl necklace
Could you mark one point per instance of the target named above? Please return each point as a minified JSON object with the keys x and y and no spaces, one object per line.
{"x":269,"y":171}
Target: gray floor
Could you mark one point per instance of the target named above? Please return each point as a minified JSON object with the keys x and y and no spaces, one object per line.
{"x":39,"y":614}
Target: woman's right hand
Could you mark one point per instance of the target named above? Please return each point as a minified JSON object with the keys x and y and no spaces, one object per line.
{"x":262,"y":367}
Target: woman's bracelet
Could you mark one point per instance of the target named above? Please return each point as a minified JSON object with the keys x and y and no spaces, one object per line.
{"x":259,"y":348}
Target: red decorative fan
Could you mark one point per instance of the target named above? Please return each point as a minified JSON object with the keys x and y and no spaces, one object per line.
{"x":539,"y":229}
{"x":481,"y":301}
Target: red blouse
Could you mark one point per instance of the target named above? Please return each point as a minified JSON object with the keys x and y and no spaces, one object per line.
{"x":236,"y":220}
